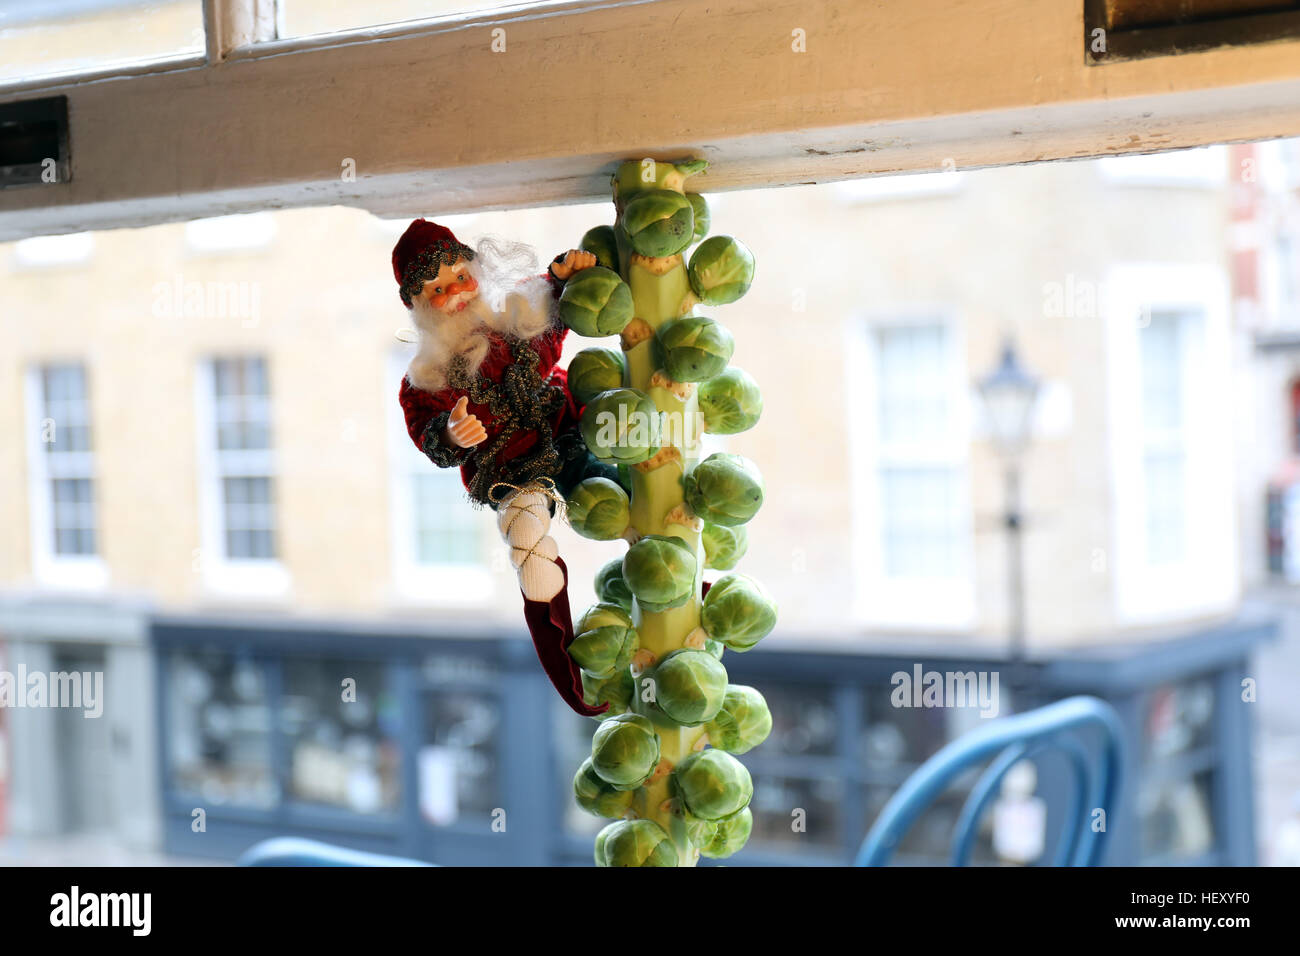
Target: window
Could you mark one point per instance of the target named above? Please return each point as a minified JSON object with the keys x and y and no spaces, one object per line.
{"x":219,"y":728}
{"x":445,"y":533}
{"x":243,"y":457}
{"x":65,"y":533}
{"x":237,"y":471}
{"x":1171,"y":441}
{"x":912,"y":508}
{"x":919,"y":494}
{"x":459,"y":760}
{"x":308,"y":17}
{"x":440,"y":543}
{"x":340,"y":723}
{"x":43,"y":37}
{"x":1164,"y":455}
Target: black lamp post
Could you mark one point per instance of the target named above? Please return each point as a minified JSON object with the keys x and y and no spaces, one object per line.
{"x":1009,"y":394}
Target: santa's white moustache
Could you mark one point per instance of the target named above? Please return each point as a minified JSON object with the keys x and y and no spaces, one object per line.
{"x":513,"y":300}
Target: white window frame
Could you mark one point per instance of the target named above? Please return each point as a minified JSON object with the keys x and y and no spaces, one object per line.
{"x":147,"y":154}
{"x":414,"y":582}
{"x":258,"y":578}
{"x":1207,"y":580}
{"x":74,"y":572}
{"x":947,"y":603}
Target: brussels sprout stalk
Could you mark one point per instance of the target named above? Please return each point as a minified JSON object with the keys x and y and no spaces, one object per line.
{"x":647,"y":247}
{"x":656,"y":299}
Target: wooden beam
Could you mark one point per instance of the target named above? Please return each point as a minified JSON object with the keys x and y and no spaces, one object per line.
{"x":535,"y":106}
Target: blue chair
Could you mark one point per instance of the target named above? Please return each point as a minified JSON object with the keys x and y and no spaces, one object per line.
{"x":294,"y":851}
{"x":1006,"y":742}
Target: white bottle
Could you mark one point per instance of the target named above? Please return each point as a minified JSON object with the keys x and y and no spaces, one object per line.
{"x":1019,"y":817}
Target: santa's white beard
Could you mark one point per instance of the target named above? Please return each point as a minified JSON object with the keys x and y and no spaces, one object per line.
{"x":507,"y":304}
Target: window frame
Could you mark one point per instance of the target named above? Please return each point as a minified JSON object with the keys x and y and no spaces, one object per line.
{"x":78,"y":572}
{"x":144,"y":152}
{"x":221,"y":574}
{"x":915,"y":602}
{"x":1207,"y":579}
{"x":463,"y":586}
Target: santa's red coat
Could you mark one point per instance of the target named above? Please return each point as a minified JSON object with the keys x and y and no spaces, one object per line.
{"x":422,"y":407}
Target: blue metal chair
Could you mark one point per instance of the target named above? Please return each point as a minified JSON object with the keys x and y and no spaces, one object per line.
{"x":1008,"y":741}
{"x":294,"y":851}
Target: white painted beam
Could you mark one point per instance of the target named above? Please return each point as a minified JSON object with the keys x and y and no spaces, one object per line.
{"x":436,"y":121}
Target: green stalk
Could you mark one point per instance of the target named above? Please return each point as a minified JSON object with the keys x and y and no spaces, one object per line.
{"x":660,"y":291}
{"x":654,"y":495}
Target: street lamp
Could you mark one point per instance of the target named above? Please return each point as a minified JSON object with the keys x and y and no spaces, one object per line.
{"x":1009,"y":394}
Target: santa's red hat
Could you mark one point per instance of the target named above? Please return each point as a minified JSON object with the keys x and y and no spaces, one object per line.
{"x":424,"y":248}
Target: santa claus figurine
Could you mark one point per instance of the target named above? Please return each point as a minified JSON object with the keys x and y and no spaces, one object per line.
{"x":484,"y":394}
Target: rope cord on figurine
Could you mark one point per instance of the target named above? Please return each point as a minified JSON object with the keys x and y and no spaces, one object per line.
{"x":542,"y":486}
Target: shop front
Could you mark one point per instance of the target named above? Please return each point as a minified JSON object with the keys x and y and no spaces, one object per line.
{"x":450,"y":748}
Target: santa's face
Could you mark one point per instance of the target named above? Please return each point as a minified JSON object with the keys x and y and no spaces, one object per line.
{"x":452,"y":288}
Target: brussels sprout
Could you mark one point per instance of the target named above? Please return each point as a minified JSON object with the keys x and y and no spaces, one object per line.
{"x":730,"y":402}
{"x":721,"y":270}
{"x":625,"y":751}
{"x":636,"y":175}
{"x":596,"y":302}
{"x":596,"y":796}
{"x":593,"y":371}
{"x":728,"y":835}
{"x":598,"y":509}
{"x":712,"y":784}
{"x":724,"y":489}
{"x":743,"y":722}
{"x":701,"y":210}
{"x":660,"y":571}
{"x":616,"y":691}
{"x":689,"y":686}
{"x":659,"y":222}
{"x":621,"y":425}
{"x":599,"y":241}
{"x":693,"y":348}
{"x":738,"y":611}
{"x":714,"y":647}
{"x":700,"y":832}
{"x":723,"y":546}
{"x":605,"y":642}
{"x":638,"y":843}
{"x":610,"y":586}
{"x":598,"y":851}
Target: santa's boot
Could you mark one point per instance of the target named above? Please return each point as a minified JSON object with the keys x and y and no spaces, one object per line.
{"x":524,"y":521}
{"x":551,"y":627}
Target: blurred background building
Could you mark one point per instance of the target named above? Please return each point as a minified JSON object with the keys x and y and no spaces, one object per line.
{"x":208,"y":496}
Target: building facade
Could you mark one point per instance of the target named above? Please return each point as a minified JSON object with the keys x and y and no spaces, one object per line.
{"x":202,"y":425}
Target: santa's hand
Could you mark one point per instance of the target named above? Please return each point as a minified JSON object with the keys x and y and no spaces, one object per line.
{"x":575,"y":260}
{"x":463,"y":429}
